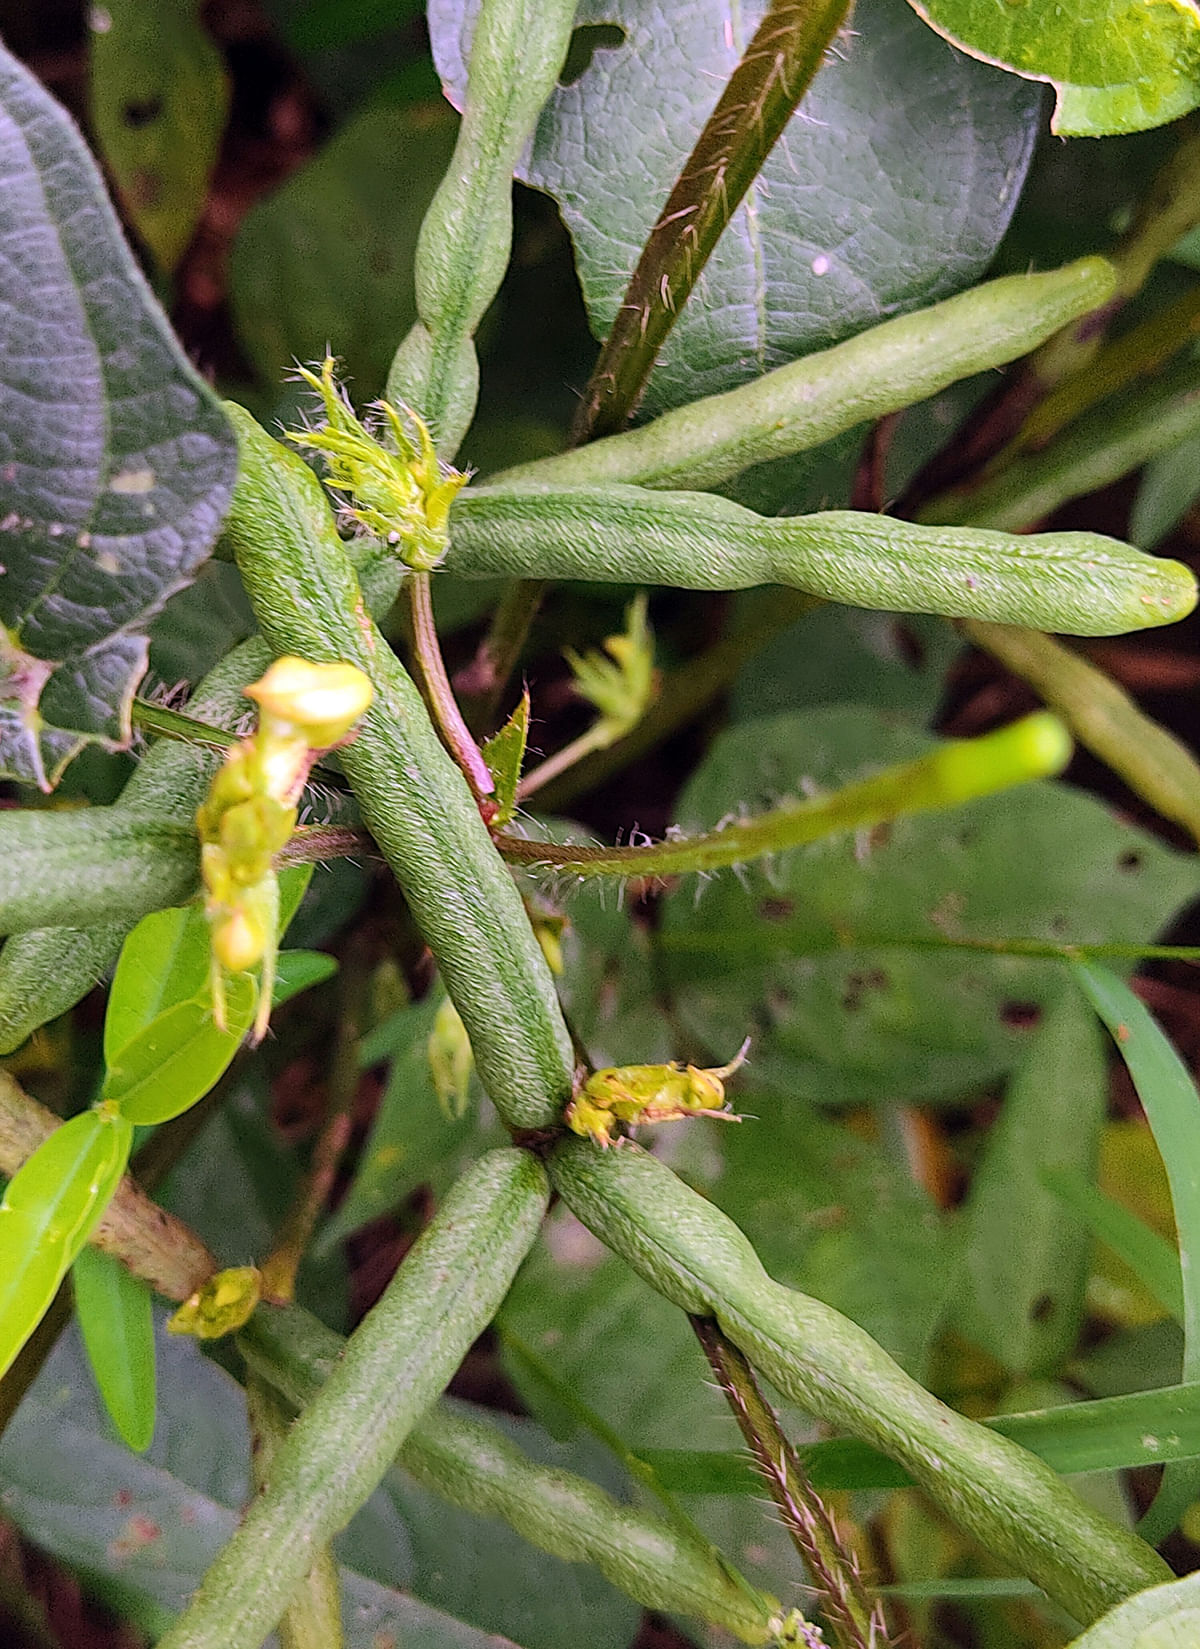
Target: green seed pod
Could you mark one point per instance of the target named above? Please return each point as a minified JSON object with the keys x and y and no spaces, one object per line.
{"x":1075,"y":582}
{"x":1010,"y":1501}
{"x":395,"y":1363}
{"x":413,"y":798}
{"x":808,"y":402}
{"x":475,"y":1466}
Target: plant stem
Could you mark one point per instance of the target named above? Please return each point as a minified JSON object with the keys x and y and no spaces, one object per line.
{"x":957,"y":771}
{"x":756,"y":104}
{"x":438,"y":693}
{"x":281,"y":1265}
{"x":182,"y":729}
{"x":589,"y":743}
{"x":857,"y":1623}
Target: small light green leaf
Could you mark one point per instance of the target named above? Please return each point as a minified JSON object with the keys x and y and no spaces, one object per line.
{"x":164,"y":961}
{"x":116,"y":1319}
{"x":179,"y":1055}
{"x":159,"y":98}
{"x":890,"y":187}
{"x":505,"y":757}
{"x":1118,"y":66}
{"x":298,"y":970}
{"x":116,"y":463}
{"x":52,"y":1204}
{"x":1026,"y":1255}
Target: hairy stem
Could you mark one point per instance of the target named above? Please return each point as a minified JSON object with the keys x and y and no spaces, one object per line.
{"x":953,"y":773}
{"x":438,"y":693}
{"x":856,"y":1621}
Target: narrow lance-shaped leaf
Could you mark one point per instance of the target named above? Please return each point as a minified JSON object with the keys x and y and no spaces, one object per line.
{"x":1172,"y":1108}
{"x":116,"y":1320}
{"x":116,"y":463}
{"x":52,"y":1204}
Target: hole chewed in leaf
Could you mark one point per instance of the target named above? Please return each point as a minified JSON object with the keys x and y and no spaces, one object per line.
{"x":1021,"y":1016}
{"x":586,"y":41}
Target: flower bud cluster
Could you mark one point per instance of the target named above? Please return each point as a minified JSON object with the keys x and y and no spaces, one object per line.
{"x":392,"y":481}
{"x":251,"y":807}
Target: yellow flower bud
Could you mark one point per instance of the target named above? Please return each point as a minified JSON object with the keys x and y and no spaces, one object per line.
{"x":321,"y":700}
{"x":238,"y":940}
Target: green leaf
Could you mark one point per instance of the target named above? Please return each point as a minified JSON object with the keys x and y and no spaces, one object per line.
{"x":117,"y":461}
{"x":1119,"y":66}
{"x":159,"y":98}
{"x":116,"y":1320}
{"x":329,"y":257}
{"x":163,"y":962}
{"x":1026,"y":1254}
{"x":51,"y":1207}
{"x":175,"y":1059}
{"x":1165,"y":1617}
{"x":145,"y":1530}
{"x":840,"y":960}
{"x":1150,"y":1256}
{"x":300,"y":970}
{"x":1172,"y":1108}
{"x":505,"y":756}
{"x":890,"y":187}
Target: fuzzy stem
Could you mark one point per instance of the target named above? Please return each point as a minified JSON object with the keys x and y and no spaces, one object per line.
{"x":181,"y":729}
{"x":1035,"y":747}
{"x":858,"y":1623}
{"x":438,"y":693}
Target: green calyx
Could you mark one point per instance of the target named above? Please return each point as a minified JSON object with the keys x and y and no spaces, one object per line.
{"x":392,"y":481}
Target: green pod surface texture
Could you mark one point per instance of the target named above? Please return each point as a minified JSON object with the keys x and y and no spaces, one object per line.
{"x":395,"y":1363}
{"x":1078,"y":583}
{"x":517,"y":50}
{"x":1015,"y":1505}
{"x":801,"y":405}
{"x":413,"y":798}
{"x":475,"y":1466}
{"x":45,"y":971}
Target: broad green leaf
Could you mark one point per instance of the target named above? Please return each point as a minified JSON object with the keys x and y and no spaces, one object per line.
{"x":159,"y":98}
{"x":1025,"y":1260}
{"x":841,"y":961}
{"x":145,"y":1530}
{"x":50,"y":1208}
{"x":1147,"y":1253}
{"x":179,"y":1055}
{"x":329,"y":257}
{"x":300,"y":970}
{"x":164,"y":962}
{"x":116,"y":1320}
{"x":1172,"y":1106}
{"x":1116,"y":65}
{"x":890,"y":187}
{"x":1165,"y":1617}
{"x":838,"y":655}
{"x":117,"y":461}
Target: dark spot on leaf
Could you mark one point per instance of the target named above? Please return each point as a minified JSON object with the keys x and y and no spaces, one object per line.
{"x":586,"y":41}
{"x":857,"y":986}
{"x":1042,"y":1309}
{"x":1021,"y":1016}
{"x":141,"y":111}
{"x":1132,"y":860}
{"x":776,"y":910}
